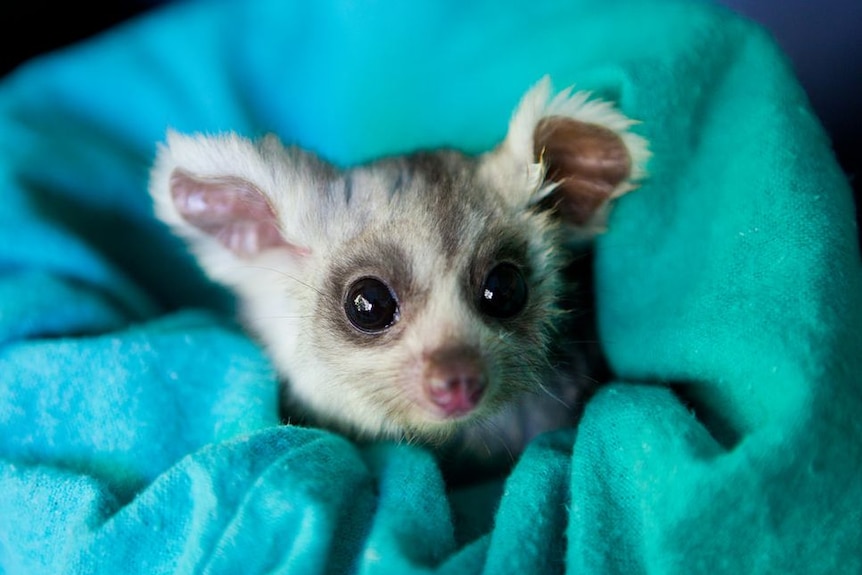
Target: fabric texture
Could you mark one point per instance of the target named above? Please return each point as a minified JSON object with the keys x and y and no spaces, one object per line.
{"x":139,"y":428}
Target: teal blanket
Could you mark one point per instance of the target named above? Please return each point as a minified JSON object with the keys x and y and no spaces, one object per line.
{"x":139,"y":428}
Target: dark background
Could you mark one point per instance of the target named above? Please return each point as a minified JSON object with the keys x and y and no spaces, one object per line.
{"x":823,"y":39}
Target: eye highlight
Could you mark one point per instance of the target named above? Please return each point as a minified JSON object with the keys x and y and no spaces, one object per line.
{"x":370,"y":305}
{"x":504,"y":292}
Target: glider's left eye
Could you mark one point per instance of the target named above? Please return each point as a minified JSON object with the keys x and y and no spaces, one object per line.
{"x":504,"y":292}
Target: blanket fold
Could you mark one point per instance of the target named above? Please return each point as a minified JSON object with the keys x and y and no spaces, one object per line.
{"x":139,"y":427}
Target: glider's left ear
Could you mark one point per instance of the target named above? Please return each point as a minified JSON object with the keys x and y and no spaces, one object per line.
{"x":577,"y":155}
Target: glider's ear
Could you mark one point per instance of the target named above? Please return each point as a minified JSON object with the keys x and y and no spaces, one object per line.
{"x":586,"y":163}
{"x":226,"y":196}
{"x":229,"y":209}
{"x":578,"y":153}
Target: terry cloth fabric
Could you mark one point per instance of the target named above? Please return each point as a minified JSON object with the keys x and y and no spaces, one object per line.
{"x":138,"y":425}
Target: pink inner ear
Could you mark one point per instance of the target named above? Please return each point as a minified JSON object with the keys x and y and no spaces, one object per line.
{"x":232,"y":210}
{"x":588,"y":162}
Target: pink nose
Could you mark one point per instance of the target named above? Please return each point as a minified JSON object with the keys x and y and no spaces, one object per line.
{"x":455,"y":380}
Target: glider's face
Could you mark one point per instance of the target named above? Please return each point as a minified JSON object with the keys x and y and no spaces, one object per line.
{"x":438,"y":309}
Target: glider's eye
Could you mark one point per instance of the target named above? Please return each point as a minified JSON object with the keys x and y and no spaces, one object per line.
{"x":504,"y":292}
{"x":370,"y":305}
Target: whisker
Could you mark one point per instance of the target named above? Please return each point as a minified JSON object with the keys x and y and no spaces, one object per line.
{"x":552,"y":395}
{"x":590,"y":379}
{"x":494,"y":431}
{"x":288,"y":276}
{"x":263,"y":317}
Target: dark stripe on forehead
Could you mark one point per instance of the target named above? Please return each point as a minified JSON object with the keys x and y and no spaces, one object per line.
{"x":400,"y":181}
{"x":449,"y":194}
{"x":348,"y":186}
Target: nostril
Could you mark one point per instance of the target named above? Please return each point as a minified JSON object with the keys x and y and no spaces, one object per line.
{"x":466,"y":385}
{"x":454,"y":380}
{"x":456,"y":394}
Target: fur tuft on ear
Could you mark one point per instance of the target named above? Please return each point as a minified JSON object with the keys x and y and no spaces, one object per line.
{"x":573,"y":154}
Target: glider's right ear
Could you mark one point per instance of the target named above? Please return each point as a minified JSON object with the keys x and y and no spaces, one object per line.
{"x":579,"y":151}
